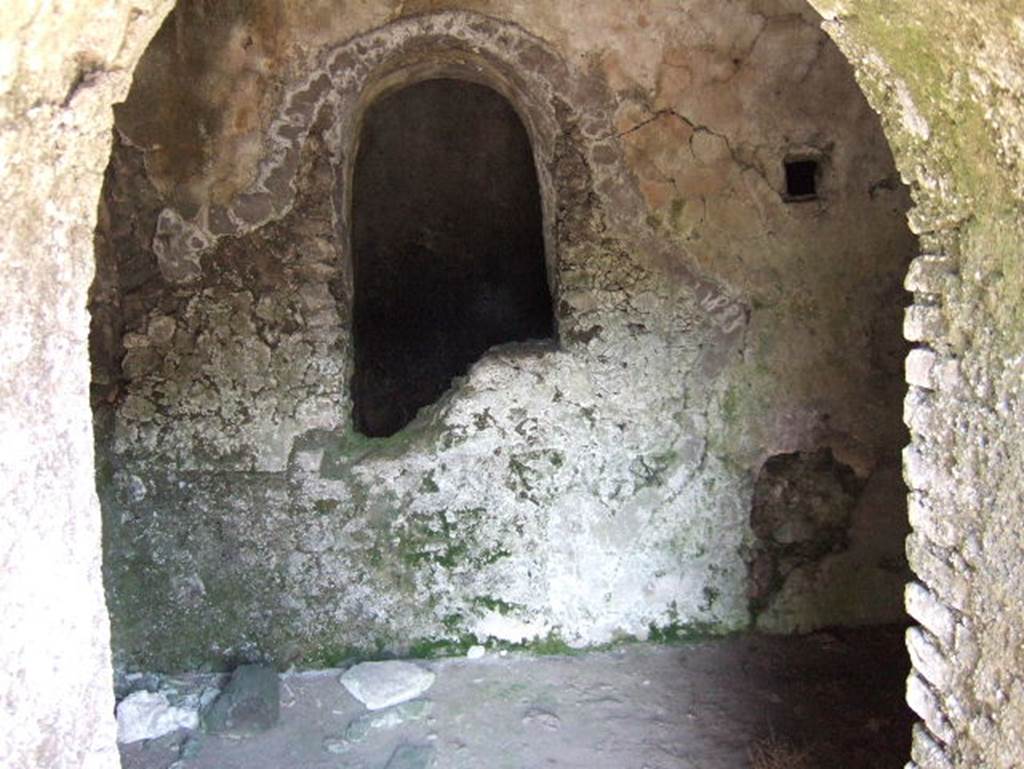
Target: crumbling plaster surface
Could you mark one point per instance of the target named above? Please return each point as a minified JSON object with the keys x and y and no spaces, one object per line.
{"x":60,"y":69}
{"x":586,"y":492}
{"x":952,"y":97}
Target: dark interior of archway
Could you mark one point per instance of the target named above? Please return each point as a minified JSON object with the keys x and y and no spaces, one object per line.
{"x":447,"y":245}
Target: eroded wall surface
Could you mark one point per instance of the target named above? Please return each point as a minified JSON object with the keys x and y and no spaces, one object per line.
{"x":59,"y":73}
{"x":596,"y":490}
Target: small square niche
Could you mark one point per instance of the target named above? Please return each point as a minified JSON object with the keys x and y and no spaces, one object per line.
{"x":802,"y":176}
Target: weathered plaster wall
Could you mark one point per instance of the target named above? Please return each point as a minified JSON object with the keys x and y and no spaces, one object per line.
{"x":586,"y":492}
{"x":952,"y":98}
{"x":60,"y":69}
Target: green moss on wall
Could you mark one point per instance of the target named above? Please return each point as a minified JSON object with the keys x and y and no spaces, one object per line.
{"x":960,"y":169}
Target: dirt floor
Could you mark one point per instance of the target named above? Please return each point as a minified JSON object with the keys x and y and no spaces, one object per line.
{"x":830,"y":700}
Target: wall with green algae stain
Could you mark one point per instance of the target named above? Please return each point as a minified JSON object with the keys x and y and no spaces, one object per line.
{"x":946,"y":78}
{"x":577,"y":493}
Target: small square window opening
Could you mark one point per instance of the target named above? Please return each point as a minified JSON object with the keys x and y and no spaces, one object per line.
{"x":801,"y":179}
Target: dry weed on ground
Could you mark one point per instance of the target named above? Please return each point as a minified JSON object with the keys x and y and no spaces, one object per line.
{"x":773,"y":753}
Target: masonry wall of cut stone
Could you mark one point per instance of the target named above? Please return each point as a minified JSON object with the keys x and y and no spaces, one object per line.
{"x":601,"y":488}
{"x":952,"y":99}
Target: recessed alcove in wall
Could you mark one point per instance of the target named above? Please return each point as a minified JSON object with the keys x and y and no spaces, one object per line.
{"x":802,"y":176}
{"x":715,"y":446}
{"x":447,"y":245}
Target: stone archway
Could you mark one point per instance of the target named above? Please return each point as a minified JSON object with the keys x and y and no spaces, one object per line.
{"x":71,"y":112}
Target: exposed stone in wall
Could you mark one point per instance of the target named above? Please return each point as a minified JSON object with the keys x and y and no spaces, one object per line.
{"x":815,"y":523}
{"x":217,"y":372}
{"x":952,"y":100}
{"x":589,"y":491}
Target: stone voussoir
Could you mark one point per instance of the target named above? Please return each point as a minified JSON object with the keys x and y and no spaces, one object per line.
{"x":937,"y":618}
{"x":928,"y":659}
{"x":931,"y":274}
{"x":927,"y":752}
{"x":923,"y":700}
{"x":924,"y":323}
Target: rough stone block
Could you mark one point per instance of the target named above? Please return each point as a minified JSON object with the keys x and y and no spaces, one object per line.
{"x":928,"y":370}
{"x":930,"y":274}
{"x":148,"y":715}
{"x":927,"y":753}
{"x":948,"y":585}
{"x":946,"y":375}
{"x":919,"y":412}
{"x":965,"y":645}
{"x":249,"y":704}
{"x":919,"y":365}
{"x":931,"y":521}
{"x":924,"y":324}
{"x":919,"y":469}
{"x":383,"y":684}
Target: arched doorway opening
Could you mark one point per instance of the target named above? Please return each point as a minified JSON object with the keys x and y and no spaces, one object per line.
{"x":447,"y":245}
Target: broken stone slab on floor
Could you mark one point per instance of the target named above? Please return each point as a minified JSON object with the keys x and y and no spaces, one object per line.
{"x":249,"y":704}
{"x":336,"y":745}
{"x":360,"y":728}
{"x":411,"y":757}
{"x":542,"y":718}
{"x":380,"y":685}
{"x":148,"y":715}
{"x":406,"y":712}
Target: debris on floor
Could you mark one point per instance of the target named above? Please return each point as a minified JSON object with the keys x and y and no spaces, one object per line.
{"x":829,"y":699}
{"x":147,"y":715}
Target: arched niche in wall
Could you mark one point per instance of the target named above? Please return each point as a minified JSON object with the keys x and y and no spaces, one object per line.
{"x":447,"y":244}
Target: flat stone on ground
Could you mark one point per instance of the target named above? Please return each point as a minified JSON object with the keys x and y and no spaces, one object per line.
{"x":360,"y":728}
{"x":383,"y":684}
{"x":542,"y":718}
